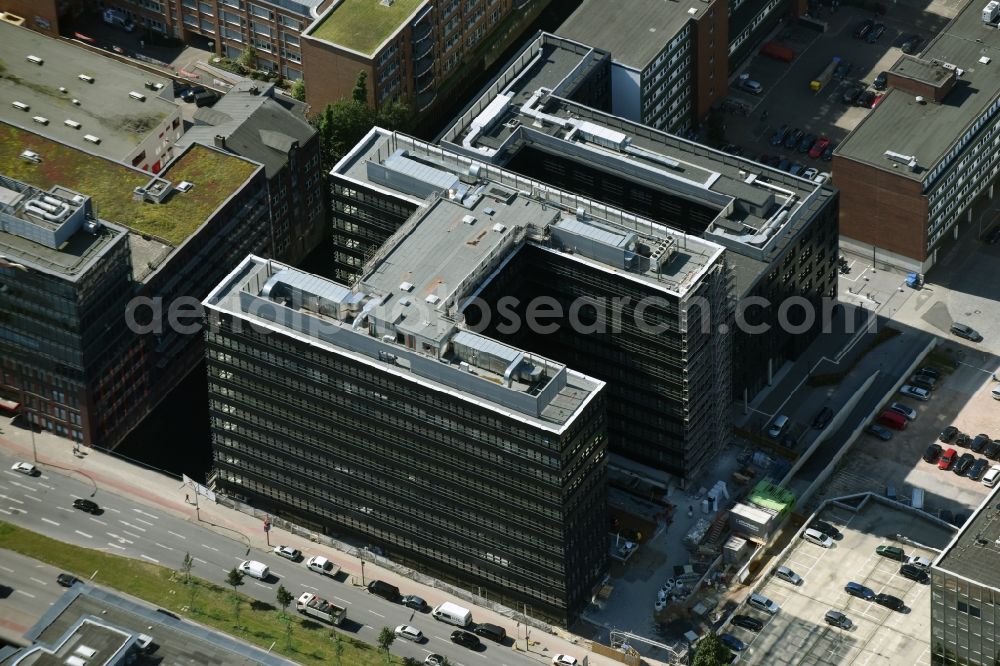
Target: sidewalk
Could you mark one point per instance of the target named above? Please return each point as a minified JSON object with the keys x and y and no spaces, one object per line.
{"x":158,"y":490}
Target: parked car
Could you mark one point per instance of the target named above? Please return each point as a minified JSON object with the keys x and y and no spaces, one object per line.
{"x":764,"y":158}
{"x":877,"y":31}
{"x":967,"y":332}
{"x":732,"y":642}
{"x":810,"y":173}
{"x":796,"y":168}
{"x":786,"y":574}
{"x":793,"y":138}
{"x":911,"y":44}
{"x":466,"y":639}
{"x":774,"y":161}
{"x":978,"y":469}
{"x":779,"y":135}
{"x":881,"y":81}
{"x":289,"y":553}
{"x":948,"y":434}
{"x":914,"y":572}
{"x":413,"y":601}
{"x":818,"y":147}
{"x":86,"y":505}
{"x":806,"y":143}
{"x":838,"y":619}
{"x":905,"y":410}
{"x":992,"y":450}
{"x":947,"y":459}
{"x":961,"y":439}
{"x":992,"y":476}
{"x":747,"y":622}
{"x":67,"y":580}
{"x":409,"y":633}
{"x":860,"y":591}
{"x":751,"y":86}
{"x":889,"y":601}
{"x":851,"y":95}
{"x":826,"y":528}
{"x":25,"y":468}
{"x":919,"y":561}
{"x":878,"y":431}
{"x":878,"y":100}
{"x":862,"y":29}
{"x":842,"y":70}
{"x":760,"y":602}
{"x":891,"y":552}
{"x":979,"y":443}
{"x":189,"y":94}
{"x":865,"y":99}
{"x":932,"y":453}
{"x":930,"y":371}
{"x":564,"y":660}
{"x":433,"y":659}
{"x":963,"y":464}
{"x":915,"y":392}
{"x":924,"y":382}
{"x":828,"y":153}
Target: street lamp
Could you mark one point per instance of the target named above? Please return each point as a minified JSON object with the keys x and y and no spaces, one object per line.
{"x":362,"y":572}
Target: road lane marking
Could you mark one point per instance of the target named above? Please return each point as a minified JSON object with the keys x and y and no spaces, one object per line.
{"x":11,"y":499}
{"x":141,"y":529}
{"x":147,"y":557}
{"x":26,"y":487}
{"x":110,"y":509}
{"x":199,"y":560}
{"x":40,"y":582}
{"x":150,"y":515}
{"x":179,"y":536}
{"x":62,"y":508}
{"x":134,"y":536}
{"x":50,"y":522}
{"x":216,"y":550}
{"x":27,"y":594}
{"x":83,"y":534}
{"x":343,"y":601}
{"x":122,"y":539}
{"x":99,"y":522}
{"x":157,"y":543}
{"x":45,"y":485}
{"x":374,"y":613}
{"x":6,"y":511}
{"x":32,"y":497}
{"x":261,"y":585}
{"x":114,"y":545}
{"x":144,"y":522}
{"x":7,"y":569}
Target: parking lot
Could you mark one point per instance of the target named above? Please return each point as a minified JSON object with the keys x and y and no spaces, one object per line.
{"x":788,"y":107}
{"x":797,"y":634}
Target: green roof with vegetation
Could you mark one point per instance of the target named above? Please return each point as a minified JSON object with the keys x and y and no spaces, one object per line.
{"x":216,"y":176}
{"x":361,"y":25}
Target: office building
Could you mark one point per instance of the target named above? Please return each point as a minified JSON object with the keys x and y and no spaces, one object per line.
{"x":88,"y":101}
{"x":912,"y":170}
{"x":252,"y":122}
{"x":672,"y":60}
{"x":408,"y":48}
{"x":779,"y":231}
{"x":965,"y":592}
{"x":187,"y":227}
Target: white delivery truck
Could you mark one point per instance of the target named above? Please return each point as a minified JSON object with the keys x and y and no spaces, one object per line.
{"x":322,"y":565}
{"x":321,"y":609}
{"x":453,"y":614}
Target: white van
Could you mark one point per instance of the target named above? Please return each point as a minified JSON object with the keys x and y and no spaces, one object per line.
{"x":453,"y":614}
{"x":917,"y":499}
{"x":992,"y":476}
{"x":777,"y":426}
{"x":254,"y":569}
{"x":817,"y":537}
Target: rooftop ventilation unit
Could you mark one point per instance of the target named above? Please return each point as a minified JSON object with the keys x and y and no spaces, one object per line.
{"x":184,"y":186}
{"x":35,"y":59}
{"x":41,"y":120}
{"x":72,"y":123}
{"x":405,"y":301}
{"x":499,"y":228}
{"x":406,"y":286}
{"x":468,"y":219}
{"x":433,"y":299}
{"x":86,"y":77}
{"x":137,"y":96}
{"x":20,"y":106}
{"x":909,"y":160}
{"x":92,"y":227}
{"x":76,"y":102}
{"x":91,"y":138}
{"x":31,"y":156}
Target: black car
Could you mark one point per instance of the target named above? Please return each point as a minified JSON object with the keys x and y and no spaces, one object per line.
{"x":930,"y":371}
{"x":961,"y":439}
{"x":189,"y":94}
{"x":807,"y":142}
{"x":851,"y":95}
{"x":783,"y":165}
{"x":978,"y":469}
{"x":863,"y":28}
{"x":779,"y":135}
{"x":67,"y":580}
{"x":967,"y":332}
{"x":913,"y":572}
{"x":992,"y":450}
{"x":828,"y":153}
{"x":793,"y":139}
{"x":842,"y":69}
{"x":465,"y":639}
{"x":932,"y":453}
{"x":747,"y":622}
{"x":826,"y":528}
{"x":86,"y":505}
{"x":413,"y":601}
{"x":911,"y":44}
{"x":822,"y":419}
{"x":881,"y":81}
{"x":964,"y":462}
{"x":865,"y":99}
{"x":948,"y":434}
{"x":877,"y":30}
{"x":979,"y":443}
{"x":889,"y":601}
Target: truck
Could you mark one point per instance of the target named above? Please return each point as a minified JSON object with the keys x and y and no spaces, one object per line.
{"x":777,"y":51}
{"x":824,"y":77}
{"x":321,"y":565}
{"x":321,"y":609}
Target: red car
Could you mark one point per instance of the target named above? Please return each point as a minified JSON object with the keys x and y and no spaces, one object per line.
{"x":817,"y":148}
{"x":878,"y":98}
{"x":947,"y":459}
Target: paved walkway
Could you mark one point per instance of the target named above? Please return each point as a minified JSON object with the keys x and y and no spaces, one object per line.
{"x":151,"y":488}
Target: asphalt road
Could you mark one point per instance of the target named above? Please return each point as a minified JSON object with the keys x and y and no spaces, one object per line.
{"x":45,"y":504}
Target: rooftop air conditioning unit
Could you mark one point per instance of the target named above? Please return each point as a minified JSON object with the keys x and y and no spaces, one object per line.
{"x":468,"y":219}
{"x":432,"y":298}
{"x":31,"y":156}
{"x":72,"y":123}
{"x":20,"y":106}
{"x":184,"y":186}
{"x":137,"y":96}
{"x":41,"y":120}
{"x":91,"y":138}
{"x":86,"y":77}
{"x":35,"y":59}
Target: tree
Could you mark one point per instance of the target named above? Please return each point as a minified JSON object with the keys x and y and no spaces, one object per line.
{"x":284,"y":598}
{"x":186,"y":567}
{"x":338,"y":646}
{"x":385,"y":640}
{"x":410,"y":661}
{"x":360,"y":92}
{"x":298,"y":90}
{"x":248,"y":58}
{"x":711,"y":652}
{"x":395,"y":116}
{"x":234,"y":580}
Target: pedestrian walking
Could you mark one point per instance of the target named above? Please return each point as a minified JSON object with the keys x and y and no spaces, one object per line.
{"x":187,"y":498}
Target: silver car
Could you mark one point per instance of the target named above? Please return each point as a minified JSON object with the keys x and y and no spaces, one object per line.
{"x":915,"y":392}
{"x":908,"y":412}
{"x":786,"y":574}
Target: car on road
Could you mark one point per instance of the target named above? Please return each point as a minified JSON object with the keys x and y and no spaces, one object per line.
{"x":793,"y":138}
{"x":25,"y":468}
{"x":877,"y":31}
{"x":747,"y":622}
{"x":779,"y":135}
{"x":882,"y":433}
{"x":413,"y":601}
{"x":905,"y":410}
{"x":433,"y":659}
{"x":323,"y":566}
{"x":860,"y":591}
{"x":891,"y":552}
{"x":963,"y":464}
{"x":948,"y":434}
{"x":947,"y":459}
{"x":732,"y":642}
{"x":408,"y":633}
{"x":760,"y":602}
{"x":932,"y":453}
{"x":786,"y":574}
{"x":465,"y":639}
{"x":838,"y":619}
{"x":67,"y":580}
{"x":564,"y":660}
{"x":914,"y":392}
{"x":992,"y":476}
{"x":862,"y":29}
{"x":851,"y":95}
{"x":806,"y":143}
{"x":289,"y":553}
{"x":979,"y":443}
{"x":818,"y":147}
{"x":889,"y":601}
{"x":866,"y":99}
{"x":881,"y":81}
{"x":86,"y":505}
{"x":967,"y":332}
{"x":827,"y":529}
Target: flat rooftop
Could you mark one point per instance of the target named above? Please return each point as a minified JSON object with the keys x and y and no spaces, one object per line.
{"x":928,"y":131}
{"x":370,"y":328}
{"x":104,"y":622}
{"x":634,"y":32}
{"x":215,"y":176}
{"x":362,"y":25}
{"x":105,"y":109}
{"x":974,"y":553}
